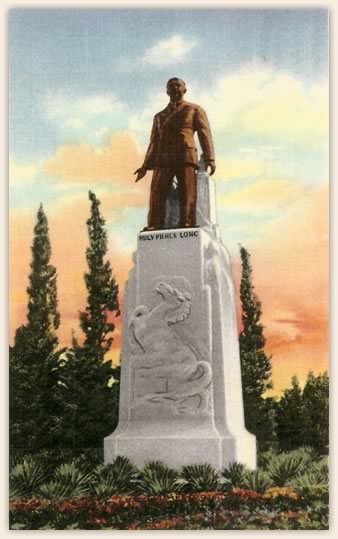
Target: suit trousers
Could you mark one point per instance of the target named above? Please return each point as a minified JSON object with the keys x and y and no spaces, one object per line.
{"x":187,"y":195}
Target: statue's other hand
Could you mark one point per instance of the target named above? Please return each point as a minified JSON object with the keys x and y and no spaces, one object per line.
{"x":141,"y":172}
{"x":212,"y":167}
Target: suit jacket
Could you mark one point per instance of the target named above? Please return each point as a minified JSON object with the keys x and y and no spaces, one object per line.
{"x":172,"y":137}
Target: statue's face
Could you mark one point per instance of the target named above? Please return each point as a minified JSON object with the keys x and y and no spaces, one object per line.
{"x":176,"y":89}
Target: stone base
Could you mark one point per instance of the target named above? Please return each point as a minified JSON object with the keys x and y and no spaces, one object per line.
{"x":181,"y":394}
{"x":178,"y":451}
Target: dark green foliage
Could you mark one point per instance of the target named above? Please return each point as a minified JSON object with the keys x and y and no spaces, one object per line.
{"x":101,"y":286}
{"x":316,"y":412}
{"x":68,"y":482}
{"x":303,"y":416}
{"x":118,"y":478}
{"x":255,"y":364}
{"x":199,"y":478}
{"x":33,"y":359}
{"x":289,"y":417}
{"x":90,"y":399}
{"x":321,"y":470}
{"x":26,"y":477}
{"x":86,"y":460}
{"x":257,"y":480}
{"x":308,"y":485}
{"x":155,"y":478}
{"x":285,"y":467}
{"x":56,"y":490}
{"x":264,"y":458}
{"x":90,"y":388}
{"x":234,"y":475}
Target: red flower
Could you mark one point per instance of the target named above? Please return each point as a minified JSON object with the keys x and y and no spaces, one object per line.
{"x":247,"y":494}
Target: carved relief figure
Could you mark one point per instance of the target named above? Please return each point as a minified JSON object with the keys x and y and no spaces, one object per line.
{"x":168,"y":369}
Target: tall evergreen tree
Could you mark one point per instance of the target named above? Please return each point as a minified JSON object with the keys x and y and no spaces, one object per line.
{"x":316,"y":412}
{"x":101,"y":286}
{"x":255,"y":364}
{"x":290,"y":422}
{"x":33,"y":360}
{"x":89,"y":387}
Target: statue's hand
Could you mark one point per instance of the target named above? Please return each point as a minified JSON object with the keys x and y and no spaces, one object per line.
{"x":141,"y":172}
{"x":212,"y":166}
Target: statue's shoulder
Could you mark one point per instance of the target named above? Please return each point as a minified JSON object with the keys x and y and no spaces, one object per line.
{"x":193,"y":106}
{"x":163,"y":112}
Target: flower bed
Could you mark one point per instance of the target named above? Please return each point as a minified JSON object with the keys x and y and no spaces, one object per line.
{"x":236,"y":509}
{"x":287,"y":491}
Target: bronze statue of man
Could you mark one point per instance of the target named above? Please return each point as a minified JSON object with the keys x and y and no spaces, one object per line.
{"x":172,"y":152}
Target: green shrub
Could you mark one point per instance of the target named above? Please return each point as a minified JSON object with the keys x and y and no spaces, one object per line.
{"x":88,"y":460}
{"x":257,"y":480}
{"x":199,"y":478}
{"x":57,"y":490}
{"x":308,"y":486}
{"x":234,"y":475}
{"x":320,"y":470}
{"x":26,"y":477}
{"x":68,"y":482}
{"x":285,"y":467}
{"x":116,"y":478}
{"x":307,"y":453}
{"x":265,"y":458}
{"x":85,"y":458}
{"x":156,"y":478}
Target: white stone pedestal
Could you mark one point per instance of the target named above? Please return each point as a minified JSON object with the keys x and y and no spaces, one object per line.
{"x":181,"y":393}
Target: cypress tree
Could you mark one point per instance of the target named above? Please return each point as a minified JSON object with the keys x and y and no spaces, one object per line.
{"x":90,"y":388}
{"x":290,"y":421}
{"x":316,"y":412}
{"x":33,"y":359}
{"x":255,"y":364}
{"x":101,"y":286}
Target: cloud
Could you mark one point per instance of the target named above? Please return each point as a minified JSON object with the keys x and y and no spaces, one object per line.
{"x":264,"y":101}
{"x":232,"y":168}
{"x":22,"y":171}
{"x":74,"y":123}
{"x":88,"y":164}
{"x":140,"y":124}
{"x":288,"y":109}
{"x":89,"y":117}
{"x":291,"y":267}
{"x":61,"y":105}
{"x":263,"y":195}
{"x":168,"y":51}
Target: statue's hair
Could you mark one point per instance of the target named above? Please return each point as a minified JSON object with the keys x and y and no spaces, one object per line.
{"x":176,"y":78}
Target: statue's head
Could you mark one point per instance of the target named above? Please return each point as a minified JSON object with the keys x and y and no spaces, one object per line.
{"x":176,"y":89}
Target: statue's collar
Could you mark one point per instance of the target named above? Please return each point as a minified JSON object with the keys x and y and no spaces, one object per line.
{"x":173,"y":106}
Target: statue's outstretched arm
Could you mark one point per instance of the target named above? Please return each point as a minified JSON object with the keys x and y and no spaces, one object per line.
{"x":149,"y":159}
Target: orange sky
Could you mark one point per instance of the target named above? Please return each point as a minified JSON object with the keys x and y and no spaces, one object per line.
{"x":290,"y":274}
